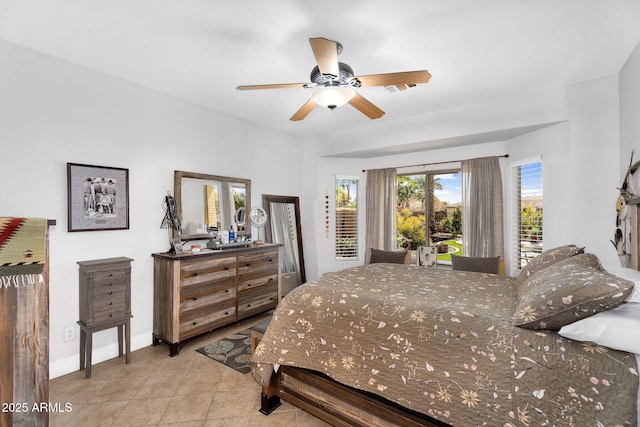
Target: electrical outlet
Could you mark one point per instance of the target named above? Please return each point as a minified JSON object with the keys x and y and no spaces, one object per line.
{"x":70,"y":333}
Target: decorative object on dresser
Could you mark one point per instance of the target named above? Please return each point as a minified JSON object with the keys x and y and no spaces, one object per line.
{"x":171,"y":221}
{"x":24,"y":321}
{"x":284,"y":226}
{"x":105,"y":302}
{"x":97,"y":197}
{"x":196,"y":293}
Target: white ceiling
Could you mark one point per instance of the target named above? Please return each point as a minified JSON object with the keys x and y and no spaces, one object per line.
{"x":200,"y":50}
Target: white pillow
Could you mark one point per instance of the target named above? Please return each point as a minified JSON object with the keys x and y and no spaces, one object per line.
{"x":618,"y":328}
{"x":629,"y":274}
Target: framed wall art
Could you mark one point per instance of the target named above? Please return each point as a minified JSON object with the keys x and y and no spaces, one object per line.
{"x":97,"y":197}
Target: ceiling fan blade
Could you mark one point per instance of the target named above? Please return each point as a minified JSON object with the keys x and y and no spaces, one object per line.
{"x":326,"y":53}
{"x":395,"y":79}
{"x":365,"y":107}
{"x":273,"y":86}
{"x":303,"y":111}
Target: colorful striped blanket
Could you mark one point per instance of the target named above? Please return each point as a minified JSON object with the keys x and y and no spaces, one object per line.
{"x":23,"y":245}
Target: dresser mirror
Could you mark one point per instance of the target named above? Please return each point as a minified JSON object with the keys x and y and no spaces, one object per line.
{"x":206,"y":203}
{"x":283,"y":226}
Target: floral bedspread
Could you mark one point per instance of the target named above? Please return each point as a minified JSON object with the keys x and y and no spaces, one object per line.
{"x":441,"y":343}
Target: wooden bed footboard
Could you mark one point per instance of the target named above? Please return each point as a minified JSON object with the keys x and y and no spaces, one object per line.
{"x":336,"y":403}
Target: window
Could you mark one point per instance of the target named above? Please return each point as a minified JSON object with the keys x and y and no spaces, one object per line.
{"x":527,"y":232}
{"x":346,"y":218}
{"x":432,"y":199}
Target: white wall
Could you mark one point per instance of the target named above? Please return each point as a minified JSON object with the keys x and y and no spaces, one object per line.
{"x":629,"y":111}
{"x":53,"y":112}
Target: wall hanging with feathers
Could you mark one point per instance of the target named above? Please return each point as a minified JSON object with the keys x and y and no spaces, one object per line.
{"x":628,"y":191}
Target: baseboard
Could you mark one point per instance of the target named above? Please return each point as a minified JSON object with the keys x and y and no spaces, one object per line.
{"x":70,"y":364}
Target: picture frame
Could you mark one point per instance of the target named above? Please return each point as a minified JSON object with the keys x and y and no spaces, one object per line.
{"x":97,"y":198}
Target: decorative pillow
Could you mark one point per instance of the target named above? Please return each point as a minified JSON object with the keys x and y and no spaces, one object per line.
{"x":479,"y":264}
{"x":393,"y":257}
{"x":547,"y":258}
{"x":537,"y":282}
{"x":566,"y":292}
{"x":618,"y":328}
{"x":629,"y":274}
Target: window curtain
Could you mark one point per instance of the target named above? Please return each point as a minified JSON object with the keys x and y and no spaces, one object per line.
{"x":381,"y":190}
{"x":482,"y":213}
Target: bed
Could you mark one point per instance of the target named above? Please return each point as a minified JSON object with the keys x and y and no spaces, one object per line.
{"x":389,"y":344}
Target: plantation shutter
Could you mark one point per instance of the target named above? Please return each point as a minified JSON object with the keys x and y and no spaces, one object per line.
{"x":527,"y":228}
{"x":346,"y":218}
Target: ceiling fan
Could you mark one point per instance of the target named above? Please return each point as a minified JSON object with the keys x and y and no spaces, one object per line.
{"x":333,"y":82}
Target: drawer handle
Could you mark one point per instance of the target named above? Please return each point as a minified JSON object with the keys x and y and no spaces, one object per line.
{"x":248,"y":305}
{"x":195,"y":323}
{"x":111,"y":293}
{"x":248,"y":285}
{"x":195,"y":298}
{"x":270,"y":260}
{"x":195,"y":274}
{"x":270,"y":279}
{"x":110,"y":303}
{"x":271,"y":299}
{"x":111,"y":315}
{"x":110,"y":284}
{"x":226,"y":291}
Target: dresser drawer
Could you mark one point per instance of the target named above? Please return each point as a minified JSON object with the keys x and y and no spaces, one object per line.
{"x":110,"y":306}
{"x":252,"y":281}
{"x":108,"y":287}
{"x":106,"y":276}
{"x":197,"y":296}
{"x":257,"y":269}
{"x":204,"y":318}
{"x":207,"y":270}
{"x":257,"y":300}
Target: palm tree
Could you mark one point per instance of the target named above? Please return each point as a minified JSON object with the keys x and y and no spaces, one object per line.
{"x":434,"y":184}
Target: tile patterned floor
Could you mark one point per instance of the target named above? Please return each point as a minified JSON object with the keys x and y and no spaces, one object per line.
{"x":158,"y":390}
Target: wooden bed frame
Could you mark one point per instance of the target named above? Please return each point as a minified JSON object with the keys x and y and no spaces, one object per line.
{"x":336,"y":403}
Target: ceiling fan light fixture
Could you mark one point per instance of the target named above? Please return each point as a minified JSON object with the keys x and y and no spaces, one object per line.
{"x":332,"y":97}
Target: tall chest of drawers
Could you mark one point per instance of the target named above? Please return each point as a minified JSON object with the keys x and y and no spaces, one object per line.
{"x":105,"y":302}
{"x":196,"y":293}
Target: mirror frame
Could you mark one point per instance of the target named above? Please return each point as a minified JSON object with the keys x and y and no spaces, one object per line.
{"x":177,"y":193}
{"x":270,"y":198}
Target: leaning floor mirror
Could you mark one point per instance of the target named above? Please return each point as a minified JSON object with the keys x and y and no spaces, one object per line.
{"x":283,"y":226}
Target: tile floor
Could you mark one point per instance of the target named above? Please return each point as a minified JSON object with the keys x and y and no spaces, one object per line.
{"x":155,"y":389}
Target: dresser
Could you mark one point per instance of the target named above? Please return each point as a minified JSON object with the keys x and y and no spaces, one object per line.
{"x":196,"y":293}
{"x":105,"y":302}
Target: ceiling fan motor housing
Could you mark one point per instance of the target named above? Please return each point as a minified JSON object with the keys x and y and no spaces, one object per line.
{"x":344,"y":78}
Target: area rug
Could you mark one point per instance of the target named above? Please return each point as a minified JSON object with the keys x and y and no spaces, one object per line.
{"x":233,"y":351}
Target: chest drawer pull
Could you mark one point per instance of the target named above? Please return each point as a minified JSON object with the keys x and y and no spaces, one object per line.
{"x":195,"y":298}
{"x":195,"y":323}
{"x":110,"y":303}
{"x":226,"y":291}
